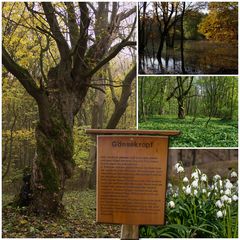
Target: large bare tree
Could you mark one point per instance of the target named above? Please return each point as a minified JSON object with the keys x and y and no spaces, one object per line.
{"x":87,"y":36}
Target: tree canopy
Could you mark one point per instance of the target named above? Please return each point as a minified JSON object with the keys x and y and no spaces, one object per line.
{"x":221,"y":24}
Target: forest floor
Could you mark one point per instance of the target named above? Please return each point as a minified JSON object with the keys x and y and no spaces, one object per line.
{"x":78,"y":221}
{"x":218,"y":133}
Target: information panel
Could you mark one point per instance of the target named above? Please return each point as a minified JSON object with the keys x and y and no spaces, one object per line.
{"x":131,"y":179}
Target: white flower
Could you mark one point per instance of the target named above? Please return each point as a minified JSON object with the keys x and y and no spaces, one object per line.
{"x":220,"y":183}
{"x":177,"y":165}
{"x":224,"y":198}
{"x":183,"y":188}
{"x":195,"y":192}
{"x":216,"y":177}
{"x":185,"y":180}
{"x":221,"y":191}
{"x":171,"y":204}
{"x":234,"y":198}
{"x":233,"y":174}
{"x":228,"y":185}
{"x":180,"y":169}
{"x":195,"y":175}
{"x":208,"y":194}
{"x":195,"y":183}
{"x":175,"y":194}
{"x":204,"y":178}
{"x":188,"y":190}
{"x":169,"y":185}
{"x":227,"y":192}
{"x":204,"y":190}
{"x":219,"y":214}
{"x":224,"y":212}
{"x":229,"y":200}
{"x":218,"y":204}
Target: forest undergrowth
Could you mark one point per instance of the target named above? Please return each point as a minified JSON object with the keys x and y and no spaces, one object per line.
{"x":78,"y":220}
{"x":218,"y":132}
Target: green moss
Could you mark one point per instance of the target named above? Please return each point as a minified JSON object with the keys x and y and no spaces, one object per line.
{"x":50,"y":177}
{"x":59,"y":146}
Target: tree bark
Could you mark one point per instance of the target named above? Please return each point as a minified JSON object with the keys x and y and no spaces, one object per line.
{"x":181,"y":111}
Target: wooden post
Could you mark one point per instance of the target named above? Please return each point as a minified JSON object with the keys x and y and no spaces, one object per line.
{"x":129,"y":232}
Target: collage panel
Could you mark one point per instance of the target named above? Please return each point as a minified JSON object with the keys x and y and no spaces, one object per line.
{"x":66,"y":67}
{"x":188,"y":37}
{"x":204,"y":109}
{"x":202,"y":195}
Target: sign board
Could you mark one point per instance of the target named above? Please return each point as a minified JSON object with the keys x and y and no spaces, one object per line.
{"x":131,"y":179}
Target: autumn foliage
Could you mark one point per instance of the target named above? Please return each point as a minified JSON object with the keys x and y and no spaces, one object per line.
{"x":221,"y":23}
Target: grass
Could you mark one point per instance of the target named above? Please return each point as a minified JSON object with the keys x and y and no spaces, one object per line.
{"x":77,"y":222}
{"x":218,"y":133}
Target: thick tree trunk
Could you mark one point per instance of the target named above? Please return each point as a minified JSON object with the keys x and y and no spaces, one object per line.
{"x":52,"y":166}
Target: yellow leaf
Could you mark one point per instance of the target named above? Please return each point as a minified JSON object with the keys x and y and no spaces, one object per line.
{"x":23,"y":221}
{"x":66,"y":234}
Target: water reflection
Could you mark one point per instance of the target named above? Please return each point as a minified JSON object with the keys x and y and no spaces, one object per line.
{"x":200,"y":57}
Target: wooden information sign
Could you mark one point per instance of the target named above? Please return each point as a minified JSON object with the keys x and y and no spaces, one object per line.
{"x":131,"y":176}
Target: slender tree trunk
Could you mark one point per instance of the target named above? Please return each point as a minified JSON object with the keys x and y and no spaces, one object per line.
{"x":143,"y":112}
{"x":142,"y":29}
{"x":232,"y":101}
{"x":194,"y":156}
{"x":181,"y":112}
{"x":97,"y":122}
{"x":10,"y":147}
{"x":161,"y":44}
{"x":182,"y":38}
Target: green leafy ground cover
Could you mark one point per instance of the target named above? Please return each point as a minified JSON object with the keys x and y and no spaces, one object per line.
{"x":218,"y":133}
{"x":77,"y":222}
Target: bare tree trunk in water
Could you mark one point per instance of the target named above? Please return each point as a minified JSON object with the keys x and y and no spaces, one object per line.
{"x":182,"y":38}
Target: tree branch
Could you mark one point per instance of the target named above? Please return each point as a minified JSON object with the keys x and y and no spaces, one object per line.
{"x":21,"y":74}
{"x":81,"y":45}
{"x":72,"y":23}
{"x":114,"y":97}
{"x":55,"y":29}
{"x":110,"y":56}
{"x":122,"y":104}
{"x":125,"y":15}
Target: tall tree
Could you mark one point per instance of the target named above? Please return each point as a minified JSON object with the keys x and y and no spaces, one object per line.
{"x":61,"y":91}
{"x":180,"y":92}
{"x":167,"y":15}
